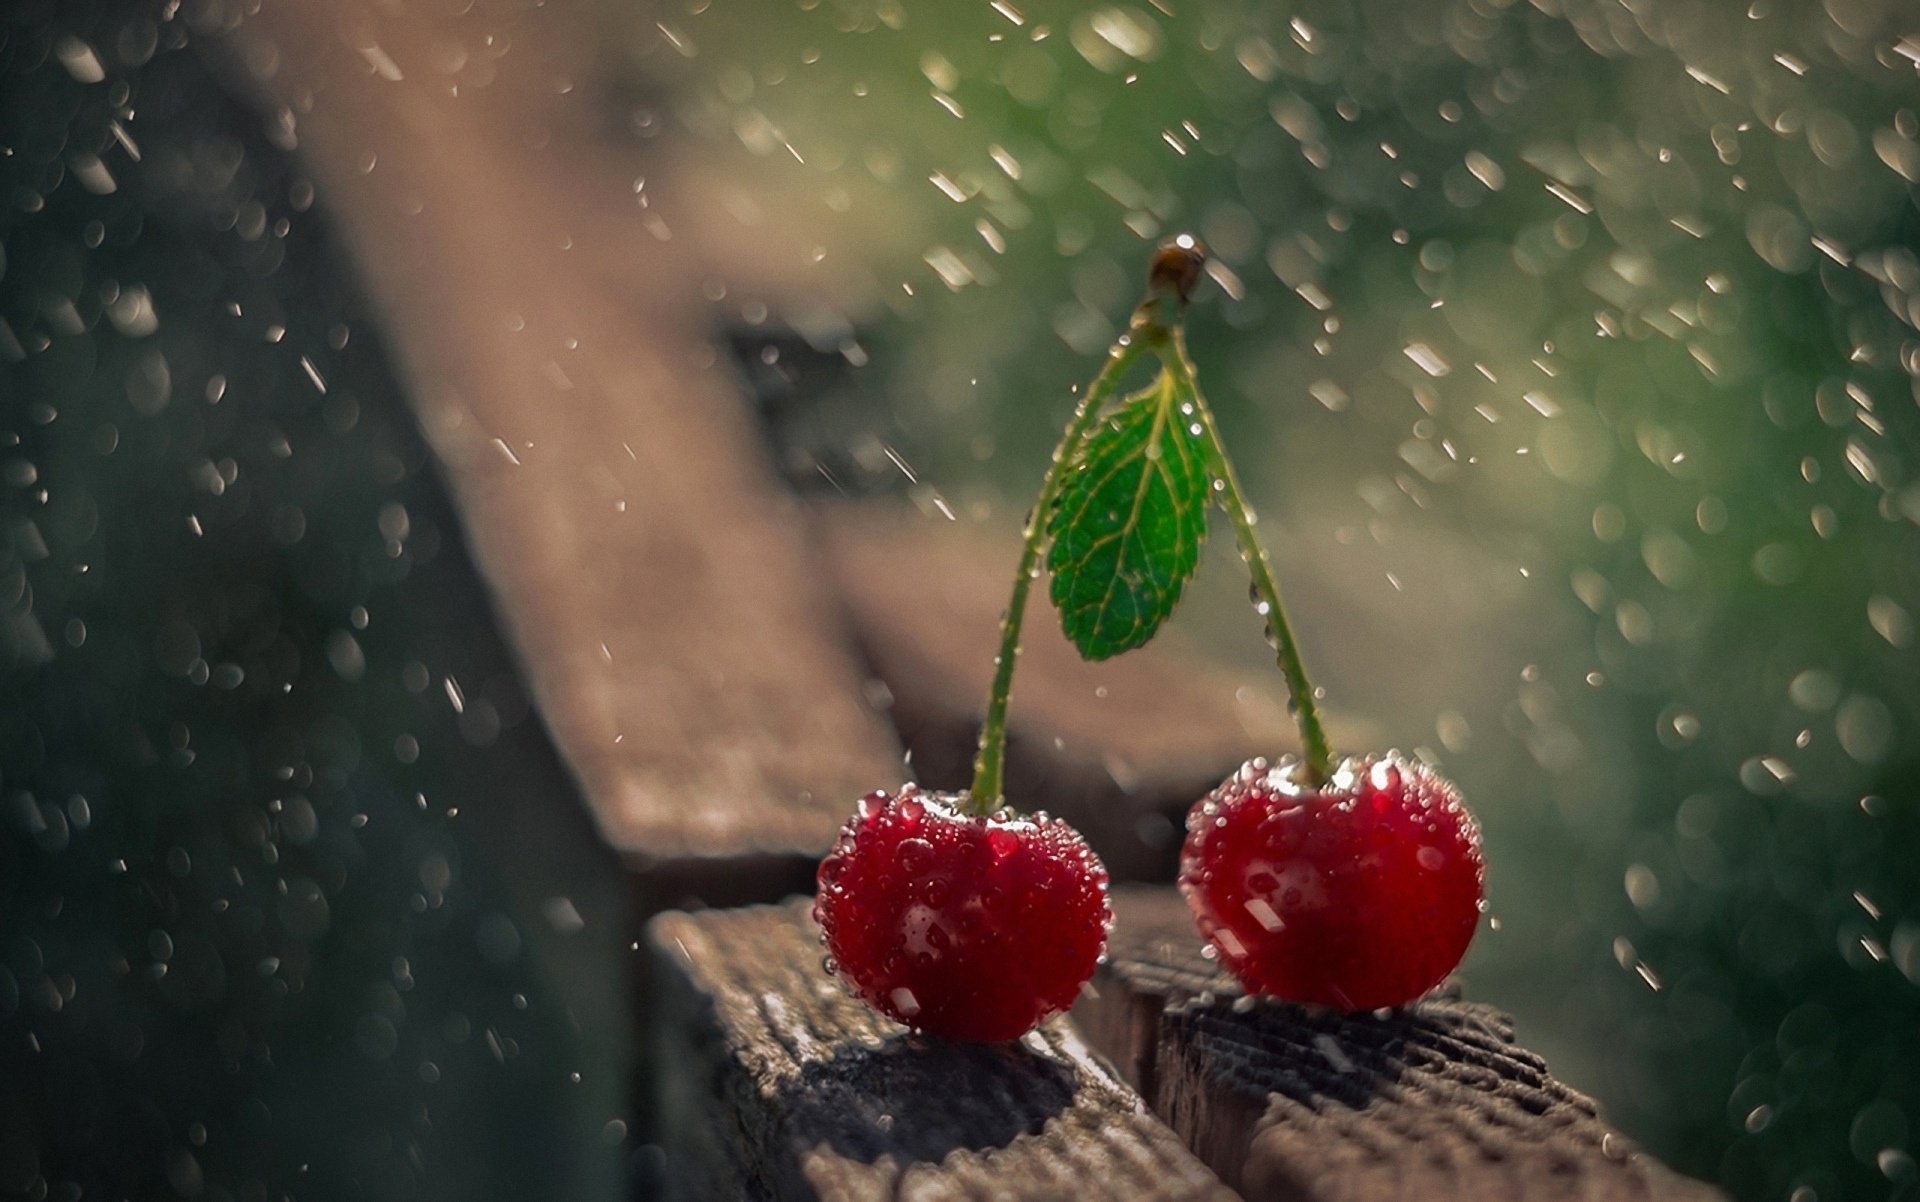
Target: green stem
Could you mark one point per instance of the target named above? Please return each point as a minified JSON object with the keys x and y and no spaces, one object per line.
{"x":1306,"y":707}
{"x":1148,"y":332}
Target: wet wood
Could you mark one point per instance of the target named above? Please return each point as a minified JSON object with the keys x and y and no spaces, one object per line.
{"x":1434,"y":1102}
{"x":646,"y":563}
{"x":774,"y":1082}
{"x":1122,"y":748}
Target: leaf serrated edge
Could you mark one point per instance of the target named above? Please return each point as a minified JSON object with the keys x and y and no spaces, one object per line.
{"x":1181,"y":473}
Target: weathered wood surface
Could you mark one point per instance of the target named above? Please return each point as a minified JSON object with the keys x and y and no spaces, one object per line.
{"x":1434,"y":1102}
{"x":1122,"y":748}
{"x":776,"y":1083}
{"x":647,"y":564}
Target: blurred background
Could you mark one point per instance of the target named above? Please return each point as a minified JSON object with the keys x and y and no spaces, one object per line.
{"x":1568,"y":347}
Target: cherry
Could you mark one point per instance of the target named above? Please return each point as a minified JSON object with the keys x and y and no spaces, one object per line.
{"x":966,"y":927}
{"x":1359,"y":894}
{"x":945,"y":910}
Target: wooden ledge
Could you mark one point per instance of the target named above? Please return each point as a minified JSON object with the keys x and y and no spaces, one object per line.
{"x":649,"y":568}
{"x":774,"y":1082}
{"x":1433,"y":1102}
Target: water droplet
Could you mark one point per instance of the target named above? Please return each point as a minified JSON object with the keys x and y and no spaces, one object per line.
{"x":915,"y":856}
{"x":1383,"y":776}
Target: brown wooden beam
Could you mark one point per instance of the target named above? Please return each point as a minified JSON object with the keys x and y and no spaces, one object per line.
{"x":1435,"y":1101}
{"x":777,"y":1083}
{"x":650,"y":569}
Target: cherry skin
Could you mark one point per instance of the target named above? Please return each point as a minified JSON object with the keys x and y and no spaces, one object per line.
{"x":974,"y":929}
{"x":1358,"y":895}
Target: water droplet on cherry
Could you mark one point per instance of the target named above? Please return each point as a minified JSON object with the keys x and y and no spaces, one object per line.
{"x":914,"y":856}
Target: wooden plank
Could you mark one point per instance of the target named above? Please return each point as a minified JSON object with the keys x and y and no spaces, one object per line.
{"x":1121,"y":748}
{"x":774,"y":1082}
{"x":1434,"y":1102}
{"x":649,"y":569}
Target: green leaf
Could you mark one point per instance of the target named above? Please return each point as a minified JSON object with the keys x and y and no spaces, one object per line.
{"x":1129,"y":524}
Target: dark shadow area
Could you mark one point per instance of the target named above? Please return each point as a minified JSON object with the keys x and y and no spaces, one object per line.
{"x":828,"y":430}
{"x":901,"y":1099}
{"x":687,"y":884}
{"x":1815,"y":1063}
{"x":297,"y":897}
{"x":1271,"y":1094}
{"x":1317,"y":1057}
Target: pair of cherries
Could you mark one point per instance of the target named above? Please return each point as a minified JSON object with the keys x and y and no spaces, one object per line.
{"x":1358,"y":894}
{"x":1354,"y":885}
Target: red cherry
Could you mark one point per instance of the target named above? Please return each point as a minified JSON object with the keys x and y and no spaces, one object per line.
{"x":967,"y":928}
{"x":1361,"y":894}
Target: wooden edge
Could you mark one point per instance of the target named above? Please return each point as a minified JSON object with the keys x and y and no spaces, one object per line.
{"x":774,"y":1082}
{"x":710,"y":882}
{"x":1434,"y":1101}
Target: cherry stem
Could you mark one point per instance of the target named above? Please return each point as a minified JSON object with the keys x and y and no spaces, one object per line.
{"x":1148,"y":331}
{"x":1318,"y":759}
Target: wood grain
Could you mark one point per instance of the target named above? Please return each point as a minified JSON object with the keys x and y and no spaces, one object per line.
{"x":1436,"y":1101}
{"x":774,"y":1082}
